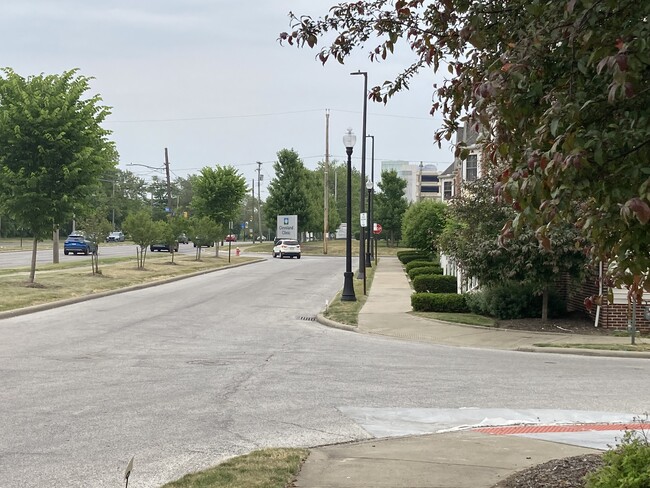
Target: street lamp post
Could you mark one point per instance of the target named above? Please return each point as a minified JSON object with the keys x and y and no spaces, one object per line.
{"x":369,"y":186}
{"x":348,"y":287}
{"x":370,"y":203}
{"x":362,"y":260}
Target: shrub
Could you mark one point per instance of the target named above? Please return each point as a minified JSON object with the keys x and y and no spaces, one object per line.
{"x":438,"y":302}
{"x":628,"y":465}
{"x":476,"y":302}
{"x":514,"y":300}
{"x":407,"y":258}
{"x":418,"y":263}
{"x":425,"y":270}
{"x":434,"y":284}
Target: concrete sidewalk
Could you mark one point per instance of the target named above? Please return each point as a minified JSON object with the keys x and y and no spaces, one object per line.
{"x":458,"y":459}
{"x":389,"y":300}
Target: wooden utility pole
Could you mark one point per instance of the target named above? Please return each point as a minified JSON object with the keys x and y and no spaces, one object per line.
{"x":252,"y":227}
{"x":169,"y":184}
{"x":259,"y":199}
{"x":326,"y":170}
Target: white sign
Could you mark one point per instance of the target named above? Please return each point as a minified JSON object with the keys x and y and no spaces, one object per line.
{"x":364,"y":219}
{"x":287,"y":227}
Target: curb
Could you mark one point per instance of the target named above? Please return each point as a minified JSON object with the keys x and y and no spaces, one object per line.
{"x":69,"y":301}
{"x":586,"y":352}
{"x":335,"y":325}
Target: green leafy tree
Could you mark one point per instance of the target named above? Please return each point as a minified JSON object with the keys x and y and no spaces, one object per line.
{"x":204,"y":229}
{"x":288,"y":194}
{"x":53,"y":149}
{"x":422,"y":224}
{"x":96,"y":228}
{"x":561,"y":90}
{"x":472,"y":238}
{"x":143,"y":231}
{"x":218,"y":194}
{"x":390,"y":205}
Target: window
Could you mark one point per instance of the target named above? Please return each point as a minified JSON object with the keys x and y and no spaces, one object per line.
{"x":430,"y":178}
{"x":430,"y":189}
{"x":471,"y":168}
{"x":446,"y":187}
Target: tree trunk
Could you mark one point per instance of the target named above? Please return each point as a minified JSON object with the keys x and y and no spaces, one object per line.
{"x":545,"y":304}
{"x":32,"y":271}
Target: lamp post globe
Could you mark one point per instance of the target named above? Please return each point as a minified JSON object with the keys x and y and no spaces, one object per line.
{"x":347,"y":295}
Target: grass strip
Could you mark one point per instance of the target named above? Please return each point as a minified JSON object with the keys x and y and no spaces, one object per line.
{"x":64,"y":281}
{"x":266,"y":468}
{"x":600,"y":347}
{"x":459,"y":318}
{"x":348,"y":312}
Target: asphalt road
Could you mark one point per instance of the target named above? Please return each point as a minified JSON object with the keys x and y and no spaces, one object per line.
{"x":18,"y":259}
{"x":186,"y":374}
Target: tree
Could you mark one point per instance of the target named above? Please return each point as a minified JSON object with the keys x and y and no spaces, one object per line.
{"x":423,"y":223}
{"x":561,"y":90}
{"x":52,"y":149}
{"x":204,"y":229}
{"x":390,"y":205}
{"x":218,"y":194}
{"x":471,"y":238}
{"x":288,"y":191}
{"x":143,"y":231}
{"x":96,"y":228}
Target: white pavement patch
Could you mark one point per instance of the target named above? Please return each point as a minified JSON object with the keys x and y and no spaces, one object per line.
{"x":396,"y":422}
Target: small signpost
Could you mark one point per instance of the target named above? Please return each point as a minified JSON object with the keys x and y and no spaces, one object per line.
{"x":376,"y":228}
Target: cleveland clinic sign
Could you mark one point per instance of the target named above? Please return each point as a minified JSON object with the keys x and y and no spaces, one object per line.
{"x":287,"y":227}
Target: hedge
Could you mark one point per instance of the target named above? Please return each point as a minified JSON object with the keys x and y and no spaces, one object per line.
{"x":438,"y":302}
{"x":418,"y":263}
{"x":407,"y":258}
{"x":425,"y":270}
{"x":435,"y":284}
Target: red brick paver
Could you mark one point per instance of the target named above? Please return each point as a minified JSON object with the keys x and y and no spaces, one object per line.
{"x":543,"y":429}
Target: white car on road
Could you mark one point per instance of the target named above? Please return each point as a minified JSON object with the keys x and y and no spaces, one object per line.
{"x":287,"y":247}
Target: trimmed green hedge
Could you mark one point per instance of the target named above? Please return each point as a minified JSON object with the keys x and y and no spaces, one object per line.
{"x":438,"y":302}
{"x":435,"y":284}
{"x":418,"y":263}
{"x":407,"y":258}
{"x":425,"y":270}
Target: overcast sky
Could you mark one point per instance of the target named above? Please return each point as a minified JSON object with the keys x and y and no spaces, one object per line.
{"x":208,"y":80}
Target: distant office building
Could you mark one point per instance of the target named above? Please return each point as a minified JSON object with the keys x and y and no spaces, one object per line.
{"x":422,"y":179}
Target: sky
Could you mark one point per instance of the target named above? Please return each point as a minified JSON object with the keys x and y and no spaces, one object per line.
{"x":209,"y":81}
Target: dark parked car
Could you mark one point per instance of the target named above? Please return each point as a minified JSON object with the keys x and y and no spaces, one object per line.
{"x":158,"y":246}
{"x":199,"y":242}
{"x":78,"y":243}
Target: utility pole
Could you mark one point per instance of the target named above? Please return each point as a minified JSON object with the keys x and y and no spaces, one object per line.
{"x":326,"y":192}
{"x":420,"y":184}
{"x":259,"y":198}
{"x":169,"y":184}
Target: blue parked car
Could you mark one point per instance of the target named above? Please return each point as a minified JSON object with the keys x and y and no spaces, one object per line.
{"x":78,"y":243}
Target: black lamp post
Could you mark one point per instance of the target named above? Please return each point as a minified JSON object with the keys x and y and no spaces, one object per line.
{"x":371,"y":195}
{"x":362,"y":261}
{"x":348,"y":286}
{"x":369,"y":186}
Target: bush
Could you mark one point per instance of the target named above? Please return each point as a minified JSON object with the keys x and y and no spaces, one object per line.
{"x":418,"y":263}
{"x":628,"y":465}
{"x":438,"y":302}
{"x":514,"y":301}
{"x":425,"y":270}
{"x":476,"y":302}
{"x":434,"y":284}
{"x":414,"y":256}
